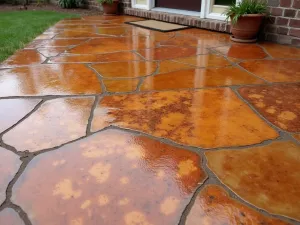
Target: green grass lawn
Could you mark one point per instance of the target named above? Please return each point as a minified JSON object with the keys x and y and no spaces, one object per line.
{"x":17,"y":28}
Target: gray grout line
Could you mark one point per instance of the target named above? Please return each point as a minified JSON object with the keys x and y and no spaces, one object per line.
{"x":99,"y":76}
{"x":138,"y":54}
{"x":258,"y":77}
{"x":8,"y":203}
{"x":196,"y":191}
{"x":265,"y":50}
{"x":91,"y":117}
{"x":16,"y":124}
{"x":141,"y":81}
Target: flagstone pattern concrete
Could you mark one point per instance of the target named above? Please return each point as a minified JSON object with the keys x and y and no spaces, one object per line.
{"x":102,"y":122}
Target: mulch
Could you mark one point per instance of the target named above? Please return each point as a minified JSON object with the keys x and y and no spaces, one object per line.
{"x":49,"y":7}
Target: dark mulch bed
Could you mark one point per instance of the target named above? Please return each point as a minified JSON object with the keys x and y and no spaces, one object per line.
{"x":49,"y":7}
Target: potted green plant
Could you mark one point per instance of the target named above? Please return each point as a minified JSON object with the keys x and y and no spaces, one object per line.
{"x":246,"y":19}
{"x":110,"y":7}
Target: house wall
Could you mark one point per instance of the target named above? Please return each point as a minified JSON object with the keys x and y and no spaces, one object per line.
{"x":123,"y":4}
{"x":284,"y":24}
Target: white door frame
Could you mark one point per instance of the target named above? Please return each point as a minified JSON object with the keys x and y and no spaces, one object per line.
{"x":149,"y":4}
{"x":206,"y":8}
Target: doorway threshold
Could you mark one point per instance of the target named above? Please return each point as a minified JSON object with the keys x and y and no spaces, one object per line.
{"x":176,"y":11}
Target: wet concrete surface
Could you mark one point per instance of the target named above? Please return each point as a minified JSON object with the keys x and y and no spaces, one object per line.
{"x":102,"y":122}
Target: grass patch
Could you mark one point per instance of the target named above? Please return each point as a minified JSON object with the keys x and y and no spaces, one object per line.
{"x":18,"y":28}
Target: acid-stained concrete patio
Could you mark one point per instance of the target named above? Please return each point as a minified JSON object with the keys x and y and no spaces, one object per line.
{"x":103,"y":123}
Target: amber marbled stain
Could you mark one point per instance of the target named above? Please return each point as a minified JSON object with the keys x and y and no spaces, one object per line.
{"x":205,"y":61}
{"x":13,"y":110}
{"x":113,"y":44}
{"x":214,"y":206}
{"x":268,"y":178}
{"x":56,"y":122}
{"x":242,"y":51}
{"x":56,"y":43}
{"x":9,"y":166}
{"x":274,"y":70}
{"x":10,"y":217}
{"x":198,"y":78}
{"x":124,"y":85}
{"x":54,"y":79}
{"x":96,"y":58}
{"x":281,"y":51}
{"x":164,"y":53}
{"x":280,"y":104}
{"x":51,"y":51}
{"x":23,"y":58}
{"x":101,"y":180}
{"x":166,"y":66}
{"x":125,"y":69}
{"x":186,"y":117}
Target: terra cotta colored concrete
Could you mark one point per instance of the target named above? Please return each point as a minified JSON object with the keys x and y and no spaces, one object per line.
{"x":274,"y":70}
{"x":54,"y":79}
{"x":198,"y":78}
{"x":214,"y":206}
{"x":265,"y":176}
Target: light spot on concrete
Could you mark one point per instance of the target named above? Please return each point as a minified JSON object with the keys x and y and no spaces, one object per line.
{"x":287,"y":115}
{"x":124,"y":180}
{"x":136,"y":218}
{"x":58,"y":162}
{"x":85,"y":204}
{"x":160,"y":173}
{"x":65,"y":189}
{"x":100,"y":171}
{"x":77,"y":221}
{"x":271,"y":110}
{"x":256,"y":96}
{"x":103,"y":200}
{"x":134,"y":152}
{"x":281,"y":125}
{"x":186,"y":167}
{"x":169,"y":205}
{"x":123,"y":201}
{"x":260,"y":105}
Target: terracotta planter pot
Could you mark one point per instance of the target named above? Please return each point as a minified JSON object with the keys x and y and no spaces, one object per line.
{"x":247,"y":27}
{"x":110,"y":9}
